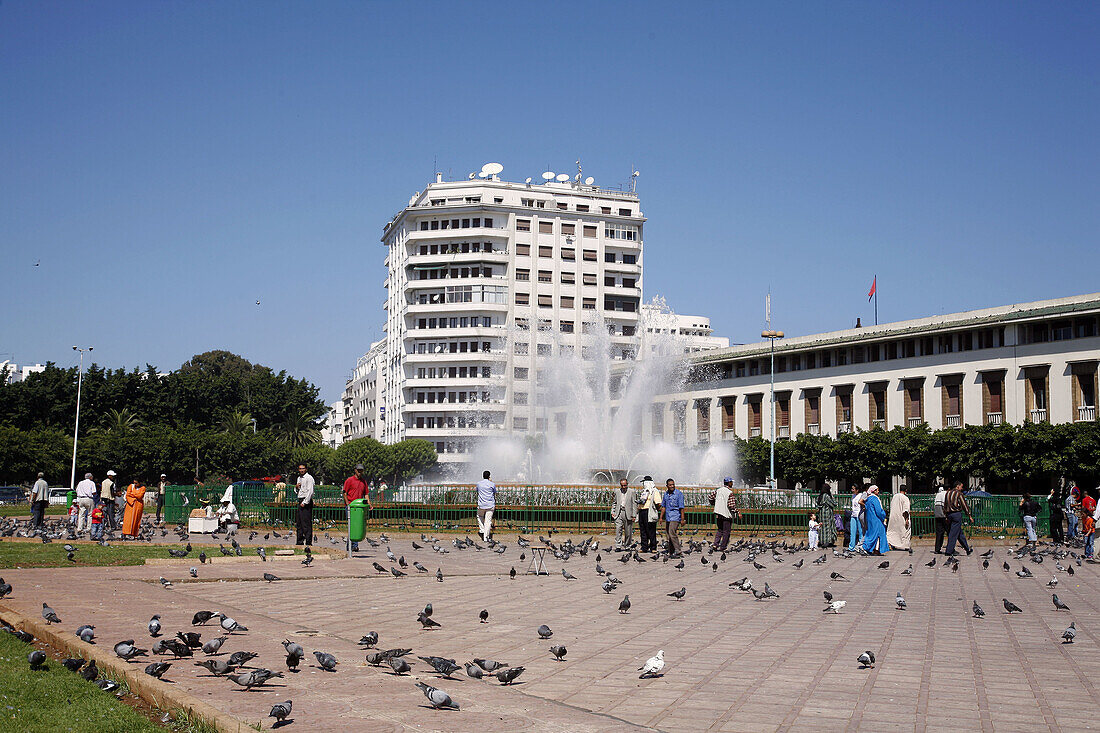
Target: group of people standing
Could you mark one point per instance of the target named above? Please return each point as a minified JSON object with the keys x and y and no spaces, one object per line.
{"x":649,"y":505}
{"x":108,"y":506}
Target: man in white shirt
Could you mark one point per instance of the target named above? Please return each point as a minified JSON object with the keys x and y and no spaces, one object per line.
{"x":939,"y":517}
{"x":855,"y":528}
{"x":227,"y":516}
{"x":305,"y":507}
{"x":85,"y":502}
{"x":486,"y":503}
{"x":107,"y":499}
{"x":40,"y":498}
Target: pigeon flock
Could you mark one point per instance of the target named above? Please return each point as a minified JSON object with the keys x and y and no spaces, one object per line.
{"x":169,"y":646}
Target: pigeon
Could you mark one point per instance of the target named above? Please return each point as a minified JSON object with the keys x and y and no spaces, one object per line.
{"x":508,"y":675}
{"x":512,"y":573}
{"x":73,"y":664}
{"x":190,"y":638}
{"x":157,"y":669}
{"x":270,"y":578}
{"x":231,"y":625}
{"x":202,"y":557}
{"x":884,"y":565}
{"x":5,"y":588}
{"x":262,"y":553}
{"x":379,"y":568}
{"x":608,"y":586}
{"x":768,"y":592}
{"x":398,"y":665}
{"x":931,"y":563}
{"x":427,"y":623}
{"x":978,"y":611}
{"x":294,"y":654}
{"x":866,"y":659}
{"x":472,"y":670}
{"x":255,"y":678}
{"x":439,"y":574}
{"x":908,"y":570}
{"x":1070,"y":633}
{"x":1023,"y":572}
{"x":679,"y":565}
{"x":653,"y":666}
{"x":438,"y":698}
{"x":37,"y":659}
{"x":900,"y":601}
{"x":23,"y":636}
{"x":126,"y":650}
{"x":1005,"y":566}
{"x":837,"y":576}
{"x":1053,"y":582}
{"x":544,"y":632}
{"x":835,"y":606}
{"x":489,"y":665}
{"x":367,"y":640}
{"x":428,"y":610}
{"x":110,"y":685}
{"x":194,"y":572}
{"x":799,"y":563}
{"x":326,"y":661}
{"x":375,"y":658}
{"x":50,"y":615}
{"x":214,"y":645}
{"x":484,"y":616}
{"x":1010,"y":606}
{"x":567,"y":575}
{"x":86,"y":633}
{"x":1058,"y":603}
{"x":90,"y":672}
{"x":165,"y":582}
{"x":624,"y":604}
{"x":559,"y":652}
{"x":239,"y":659}
{"x":397,"y":573}
{"x":985,"y":564}
{"x":678,"y":594}
{"x":445,"y":667}
{"x":280,"y":711}
{"x":828,"y":596}
{"x":201,"y":617}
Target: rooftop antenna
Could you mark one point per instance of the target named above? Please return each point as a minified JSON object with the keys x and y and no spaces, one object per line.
{"x":633,"y":179}
{"x":579,"y":171}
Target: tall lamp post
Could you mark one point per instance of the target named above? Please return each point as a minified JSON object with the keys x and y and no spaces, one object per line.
{"x":772,"y":336}
{"x":76,"y":428}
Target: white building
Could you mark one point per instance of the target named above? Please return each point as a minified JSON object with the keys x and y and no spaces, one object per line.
{"x":332,"y":431}
{"x":665,"y":333}
{"x":1030,"y":361}
{"x":484,"y":276}
{"x":362,"y":408}
{"x":15,"y":373}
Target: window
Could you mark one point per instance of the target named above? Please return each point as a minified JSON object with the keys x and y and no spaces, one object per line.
{"x":589,"y":230}
{"x":1035,"y":393}
{"x":542,"y":349}
{"x":621,"y":231}
{"x":523,"y":273}
{"x":844,"y":409}
{"x":630,"y":259}
{"x":566,"y":326}
{"x":813,"y":411}
{"x":562,"y":205}
{"x":582,"y":207}
{"x":569,"y":278}
{"x":520,"y":348}
{"x":658,"y":420}
{"x":877,"y":404}
{"x":826,"y":358}
{"x":628,"y":330}
{"x":605,"y":209}
{"x":589,"y":255}
{"x":546,"y":227}
{"x":519,"y":423}
{"x":588,"y":304}
{"x":519,"y":398}
{"x":546,"y":251}
{"x":523,"y":324}
{"x":569,"y":254}
{"x":523,"y":299}
{"x":546,"y":301}
{"x":608,"y":256}
{"x":530,"y":203}
{"x":588,"y":278}
{"x":624,"y":212}
{"x":609,"y":281}
{"x":546,"y":276}
{"x":520,"y":372}
{"x":914,"y":402}
{"x":568,"y":228}
{"x":523,"y":249}
{"x":567,"y":302}
{"x":993,"y":388}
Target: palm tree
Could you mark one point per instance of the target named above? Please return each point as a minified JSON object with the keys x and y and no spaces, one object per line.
{"x":121,"y":421}
{"x":300,"y":428}
{"x":236,"y":423}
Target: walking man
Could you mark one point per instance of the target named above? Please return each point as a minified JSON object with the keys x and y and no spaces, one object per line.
{"x":1029,"y":510}
{"x":673,"y":507}
{"x":954,"y":506}
{"x":1056,"y":503}
{"x":725,"y":507}
{"x":647,"y":517}
{"x":624,"y":510}
{"x":162,"y":486}
{"x":938,"y":517}
{"x":305,"y":507}
{"x":355,"y":487}
{"x":40,"y":498}
{"x":85,"y":502}
{"x":486,"y":503}
{"x":107,"y":499}
{"x":855,"y":533}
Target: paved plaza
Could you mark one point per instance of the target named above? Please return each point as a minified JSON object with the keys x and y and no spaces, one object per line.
{"x":734,"y":663}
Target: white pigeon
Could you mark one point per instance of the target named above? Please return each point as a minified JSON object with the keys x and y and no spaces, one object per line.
{"x":900,"y":600}
{"x":1053,"y":582}
{"x":835,"y":606}
{"x":653,"y":665}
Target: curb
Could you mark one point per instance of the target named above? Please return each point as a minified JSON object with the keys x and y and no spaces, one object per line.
{"x":158,"y":694}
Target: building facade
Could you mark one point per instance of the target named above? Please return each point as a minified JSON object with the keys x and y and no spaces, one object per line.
{"x":332,"y":427}
{"x":665,"y":333}
{"x":1032,"y":361}
{"x":486,"y":276}
{"x":14,"y":373}
{"x":361,"y":407}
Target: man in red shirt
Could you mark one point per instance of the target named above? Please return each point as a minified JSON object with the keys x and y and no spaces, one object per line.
{"x":356,"y":488}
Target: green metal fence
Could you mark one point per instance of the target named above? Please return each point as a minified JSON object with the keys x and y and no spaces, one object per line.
{"x":562,"y":506}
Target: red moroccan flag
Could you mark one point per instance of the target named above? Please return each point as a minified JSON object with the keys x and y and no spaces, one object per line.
{"x":874,"y":285}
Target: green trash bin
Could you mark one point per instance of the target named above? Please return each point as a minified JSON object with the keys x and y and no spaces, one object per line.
{"x":357,"y":520}
{"x":70,"y":497}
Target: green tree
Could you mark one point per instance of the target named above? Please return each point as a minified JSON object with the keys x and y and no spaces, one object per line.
{"x":236,"y":423}
{"x":377,"y":459}
{"x":121,"y":421}
{"x":411,"y":457}
{"x":300,"y":429}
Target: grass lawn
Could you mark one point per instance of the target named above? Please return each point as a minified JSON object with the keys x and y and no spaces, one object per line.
{"x":55,"y":699}
{"x":52,"y":555}
{"x":24,"y":510}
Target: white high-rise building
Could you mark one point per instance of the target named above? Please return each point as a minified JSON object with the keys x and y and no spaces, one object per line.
{"x":362,"y":409}
{"x":332,"y":430}
{"x":15,"y":373}
{"x":484,"y":277}
{"x":665,"y":333}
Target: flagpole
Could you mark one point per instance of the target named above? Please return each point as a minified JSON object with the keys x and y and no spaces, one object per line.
{"x":876,"y":299}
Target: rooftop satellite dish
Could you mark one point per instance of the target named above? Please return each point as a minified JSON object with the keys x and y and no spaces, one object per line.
{"x":563,"y":177}
{"x":528,"y":181}
{"x":471,"y":176}
{"x":483,"y":174}
{"x":492,"y":168}
{"x":548,"y":176}
{"x":577,"y":177}
{"x":589,"y":181}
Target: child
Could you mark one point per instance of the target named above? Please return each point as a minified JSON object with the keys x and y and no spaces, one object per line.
{"x":97,"y":522}
{"x":74,"y":512}
{"x":815,"y":531}
{"x":1088,"y":524}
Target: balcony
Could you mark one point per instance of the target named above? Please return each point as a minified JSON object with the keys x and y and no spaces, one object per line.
{"x":729,"y":434}
{"x":915,"y":422}
{"x":1086,"y":413}
{"x":814,"y":428}
{"x":784,"y":431}
{"x":844,"y":427}
{"x":879,"y":423}
{"x":1039,"y":415}
{"x":754,"y":432}
{"x":994,"y":418}
{"x":952,"y":421}
{"x":679,"y":437}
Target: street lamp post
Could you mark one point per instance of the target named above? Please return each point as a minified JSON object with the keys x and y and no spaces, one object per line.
{"x":772,"y":336}
{"x":76,"y":428}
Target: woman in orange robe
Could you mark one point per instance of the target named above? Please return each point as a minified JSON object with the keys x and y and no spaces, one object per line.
{"x":135,"y":505}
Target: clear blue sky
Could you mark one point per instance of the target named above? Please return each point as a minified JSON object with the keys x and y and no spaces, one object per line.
{"x":169,"y":163}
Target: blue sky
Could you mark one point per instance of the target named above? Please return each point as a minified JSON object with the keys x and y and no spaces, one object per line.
{"x":170,"y":163}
